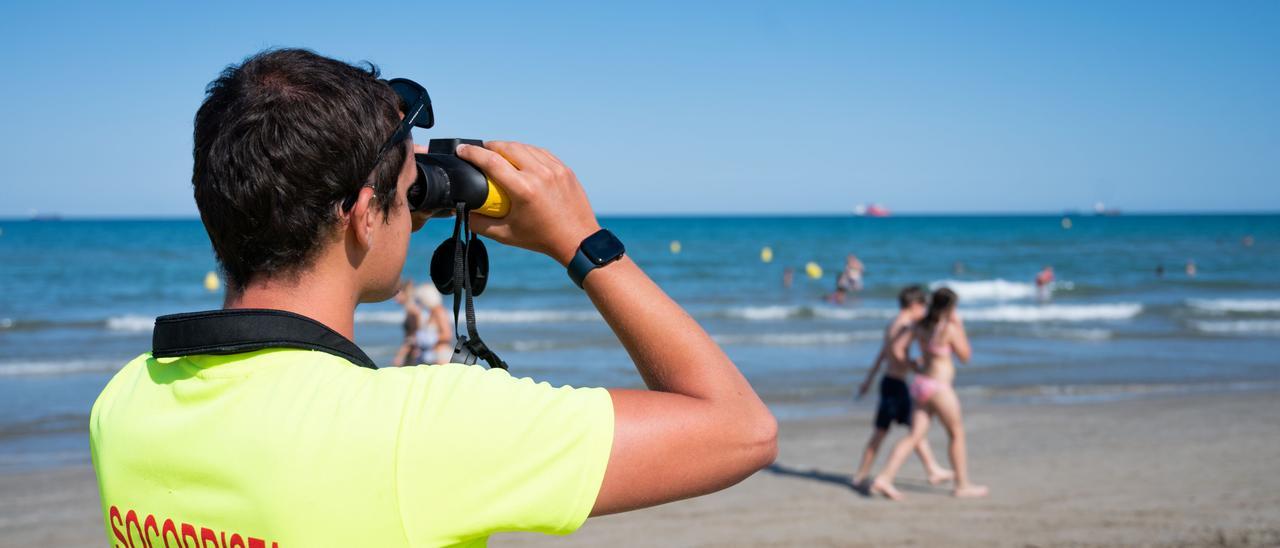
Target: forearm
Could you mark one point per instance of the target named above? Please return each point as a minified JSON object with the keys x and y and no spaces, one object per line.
{"x":671,"y":351}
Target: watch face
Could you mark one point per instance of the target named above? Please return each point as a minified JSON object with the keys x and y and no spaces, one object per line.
{"x":602,"y":247}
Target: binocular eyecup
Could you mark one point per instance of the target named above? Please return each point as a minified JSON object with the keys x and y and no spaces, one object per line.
{"x":445,"y":180}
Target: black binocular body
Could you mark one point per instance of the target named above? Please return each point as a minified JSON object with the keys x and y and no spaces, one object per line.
{"x":445,"y":180}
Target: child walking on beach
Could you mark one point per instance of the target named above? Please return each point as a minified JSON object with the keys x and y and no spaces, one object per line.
{"x":895,"y":400}
{"x":939,"y":333}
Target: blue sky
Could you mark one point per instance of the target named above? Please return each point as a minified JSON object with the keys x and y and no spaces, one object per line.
{"x":802,"y":107}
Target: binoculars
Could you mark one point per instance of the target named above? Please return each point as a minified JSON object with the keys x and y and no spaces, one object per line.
{"x":445,"y":180}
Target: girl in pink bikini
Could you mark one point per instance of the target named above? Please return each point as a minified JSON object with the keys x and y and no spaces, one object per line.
{"x":939,"y":333}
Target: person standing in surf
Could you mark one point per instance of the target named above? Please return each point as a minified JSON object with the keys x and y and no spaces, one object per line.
{"x":940,"y":333}
{"x":849,"y":280}
{"x":1044,"y":279}
{"x":428,"y":338}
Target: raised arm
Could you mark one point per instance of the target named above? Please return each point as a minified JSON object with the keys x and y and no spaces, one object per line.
{"x":700,"y":427}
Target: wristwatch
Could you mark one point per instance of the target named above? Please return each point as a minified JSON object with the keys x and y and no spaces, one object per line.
{"x":597,"y":250}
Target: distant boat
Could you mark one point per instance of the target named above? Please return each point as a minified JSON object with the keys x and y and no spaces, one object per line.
{"x":873,"y":210}
{"x":1100,"y":209}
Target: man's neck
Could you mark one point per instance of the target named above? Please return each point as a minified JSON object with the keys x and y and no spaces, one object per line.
{"x":323,"y":302}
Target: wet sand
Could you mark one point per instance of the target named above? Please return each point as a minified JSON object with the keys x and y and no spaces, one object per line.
{"x":1167,"y":471}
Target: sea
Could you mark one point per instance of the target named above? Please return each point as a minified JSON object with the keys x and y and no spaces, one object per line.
{"x":78,"y":299}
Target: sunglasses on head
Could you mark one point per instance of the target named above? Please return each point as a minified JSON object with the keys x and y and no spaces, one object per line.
{"x":416,"y":106}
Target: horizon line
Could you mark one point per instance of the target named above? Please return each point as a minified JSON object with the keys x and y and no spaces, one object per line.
{"x":48,"y":217}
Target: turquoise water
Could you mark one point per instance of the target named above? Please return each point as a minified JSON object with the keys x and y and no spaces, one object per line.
{"x":79,"y":298}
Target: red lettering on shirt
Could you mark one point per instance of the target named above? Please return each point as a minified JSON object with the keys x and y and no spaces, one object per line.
{"x":114,"y":516}
{"x":130,"y":523}
{"x":184,"y":535}
{"x":150,"y":525}
{"x":170,"y":528}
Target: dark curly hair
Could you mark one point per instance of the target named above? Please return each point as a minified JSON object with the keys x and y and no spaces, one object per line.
{"x":280,"y":140}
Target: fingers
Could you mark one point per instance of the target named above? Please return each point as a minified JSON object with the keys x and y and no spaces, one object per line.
{"x":498,"y":229}
{"x":492,"y":164}
{"x":419,"y":219}
{"x":519,"y":154}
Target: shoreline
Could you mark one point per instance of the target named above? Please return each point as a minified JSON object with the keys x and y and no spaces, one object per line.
{"x":1164,"y":470}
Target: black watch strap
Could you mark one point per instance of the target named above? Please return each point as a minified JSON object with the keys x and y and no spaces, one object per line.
{"x":595,"y":251}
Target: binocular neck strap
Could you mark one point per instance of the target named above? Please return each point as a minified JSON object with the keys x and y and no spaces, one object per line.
{"x":469,"y":346}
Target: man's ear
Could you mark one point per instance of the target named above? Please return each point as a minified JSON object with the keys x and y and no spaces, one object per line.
{"x":362,"y":219}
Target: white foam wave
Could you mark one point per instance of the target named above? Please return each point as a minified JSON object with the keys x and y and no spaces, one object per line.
{"x":783,"y":312}
{"x":1071,"y":333}
{"x":779,"y":312}
{"x":380,"y":316}
{"x":818,"y":338}
{"x":1053,"y":312}
{"x":6,"y":323}
{"x":491,"y":316}
{"x":536,"y":316}
{"x":832,"y":313}
{"x":18,"y":369}
{"x":535,"y":345}
{"x":1223,"y":306}
{"x":131,"y":323}
{"x":1238,"y":327}
{"x":998,"y":289}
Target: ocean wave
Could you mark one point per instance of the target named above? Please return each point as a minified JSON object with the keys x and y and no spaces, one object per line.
{"x":787,"y":312}
{"x":818,"y":338}
{"x":1071,"y":333}
{"x":131,"y":323}
{"x":998,"y":289}
{"x":1224,"y":306}
{"x":491,"y":316}
{"x":1053,"y":312}
{"x":380,"y":316}
{"x":61,"y":367}
{"x":1237,"y":327}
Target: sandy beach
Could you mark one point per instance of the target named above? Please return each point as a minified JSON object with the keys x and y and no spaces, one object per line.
{"x":1167,"y":471}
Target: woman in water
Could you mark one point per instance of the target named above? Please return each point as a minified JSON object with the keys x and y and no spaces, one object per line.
{"x":939,"y":333}
{"x":427,"y":336}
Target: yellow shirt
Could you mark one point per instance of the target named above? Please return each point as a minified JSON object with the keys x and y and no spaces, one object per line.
{"x":291,"y":448}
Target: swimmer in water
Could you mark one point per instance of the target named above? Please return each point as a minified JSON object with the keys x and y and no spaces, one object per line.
{"x":1044,"y":279}
{"x":895,"y":398}
{"x":940,"y":334}
{"x":1191,"y":268}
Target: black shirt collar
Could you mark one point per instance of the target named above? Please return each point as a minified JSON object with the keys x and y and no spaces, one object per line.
{"x":246,"y":330}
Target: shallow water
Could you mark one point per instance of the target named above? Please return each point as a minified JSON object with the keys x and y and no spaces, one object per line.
{"x":79,"y":298}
